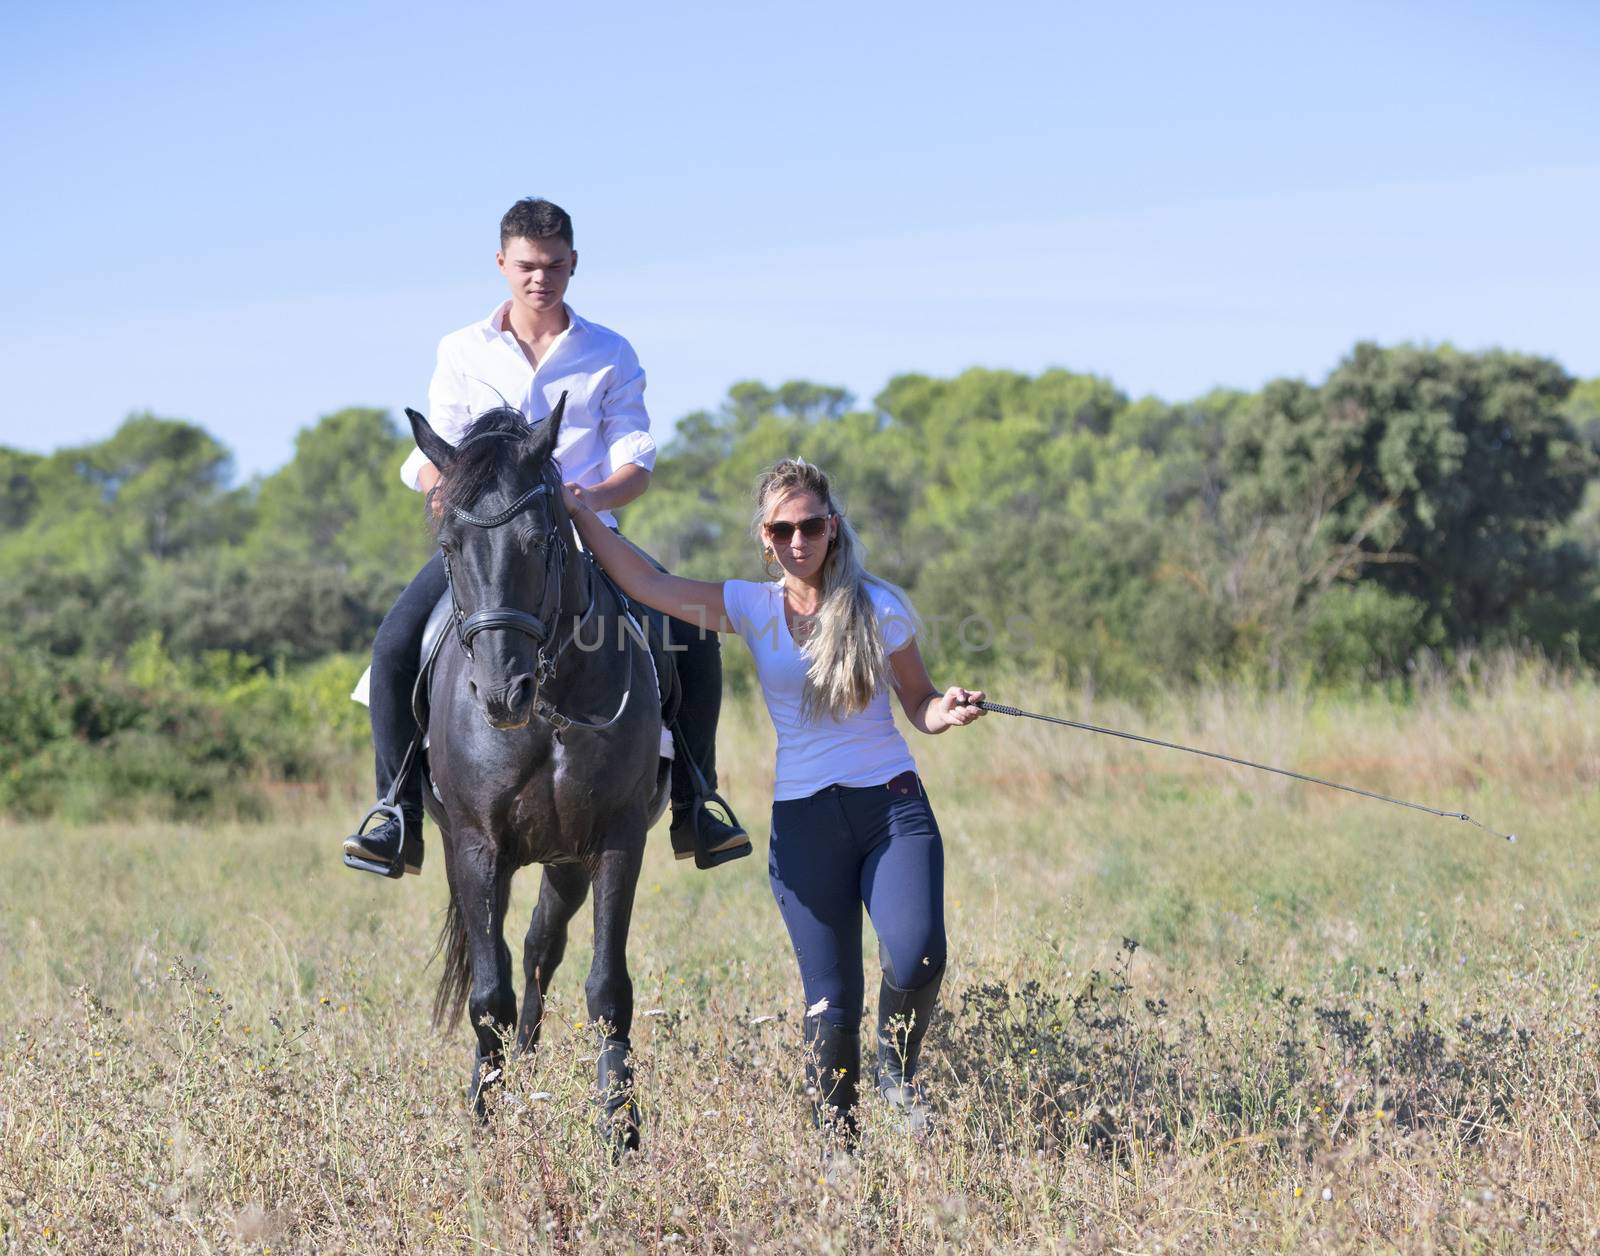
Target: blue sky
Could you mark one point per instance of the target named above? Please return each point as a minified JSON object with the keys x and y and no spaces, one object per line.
{"x":251,"y":216}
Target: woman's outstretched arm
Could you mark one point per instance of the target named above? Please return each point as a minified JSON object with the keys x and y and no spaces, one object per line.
{"x":697,"y":602}
{"x":929,"y":710}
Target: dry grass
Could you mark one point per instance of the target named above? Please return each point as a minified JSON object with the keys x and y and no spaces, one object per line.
{"x":1346,"y":1026}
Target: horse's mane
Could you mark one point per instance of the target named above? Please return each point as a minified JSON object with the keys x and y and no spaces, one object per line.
{"x":485,"y":448}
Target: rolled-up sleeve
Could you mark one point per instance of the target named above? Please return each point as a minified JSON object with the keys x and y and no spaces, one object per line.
{"x":624,"y":422}
{"x":448,"y":412}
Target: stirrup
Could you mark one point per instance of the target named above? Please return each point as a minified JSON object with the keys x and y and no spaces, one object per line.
{"x":398,"y":868}
{"x":704,"y":859}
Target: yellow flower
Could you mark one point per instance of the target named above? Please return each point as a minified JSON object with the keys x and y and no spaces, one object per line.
{"x":1299,"y":1191}
{"x":324,"y":1000}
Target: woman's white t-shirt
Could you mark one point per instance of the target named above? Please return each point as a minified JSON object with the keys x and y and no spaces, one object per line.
{"x":866,"y":748}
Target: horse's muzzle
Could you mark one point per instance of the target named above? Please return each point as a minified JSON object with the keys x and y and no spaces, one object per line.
{"x":509,"y":708}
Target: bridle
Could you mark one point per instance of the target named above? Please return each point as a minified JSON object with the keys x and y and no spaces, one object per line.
{"x":540,"y":628}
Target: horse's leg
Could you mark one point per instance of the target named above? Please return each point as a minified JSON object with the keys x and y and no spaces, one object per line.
{"x":610,"y":992}
{"x":561,"y":893}
{"x":481,"y":887}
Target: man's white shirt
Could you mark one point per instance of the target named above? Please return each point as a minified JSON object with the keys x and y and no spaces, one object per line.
{"x":605,"y":425}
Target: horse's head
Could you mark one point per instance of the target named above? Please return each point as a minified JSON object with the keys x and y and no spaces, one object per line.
{"x":501,"y":526}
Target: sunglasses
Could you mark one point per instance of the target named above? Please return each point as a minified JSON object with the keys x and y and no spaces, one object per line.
{"x":783,"y":531}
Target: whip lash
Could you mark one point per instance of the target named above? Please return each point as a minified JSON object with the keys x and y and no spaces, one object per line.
{"x":999,"y":709}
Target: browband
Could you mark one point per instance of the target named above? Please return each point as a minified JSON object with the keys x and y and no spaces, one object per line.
{"x":510,"y":512}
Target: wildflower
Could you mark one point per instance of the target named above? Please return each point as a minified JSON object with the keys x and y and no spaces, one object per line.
{"x":344,"y":1007}
{"x":324,"y":1000}
{"x":1299,"y":1191}
{"x":577,"y":1024}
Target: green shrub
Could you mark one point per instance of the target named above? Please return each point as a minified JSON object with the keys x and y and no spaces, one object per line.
{"x":1359,"y":632}
{"x":82,"y":739}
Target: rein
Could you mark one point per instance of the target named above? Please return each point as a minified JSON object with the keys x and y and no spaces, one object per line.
{"x":541,"y":628}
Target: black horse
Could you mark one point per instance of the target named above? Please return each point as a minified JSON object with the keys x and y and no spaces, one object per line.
{"x":545,"y":747}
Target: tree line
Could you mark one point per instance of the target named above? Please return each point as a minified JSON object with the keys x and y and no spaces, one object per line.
{"x":1418,"y":500}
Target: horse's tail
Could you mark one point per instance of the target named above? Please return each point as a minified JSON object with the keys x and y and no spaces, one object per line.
{"x":456,"y":979}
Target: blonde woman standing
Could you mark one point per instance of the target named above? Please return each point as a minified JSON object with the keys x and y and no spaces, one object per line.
{"x":851,"y":824}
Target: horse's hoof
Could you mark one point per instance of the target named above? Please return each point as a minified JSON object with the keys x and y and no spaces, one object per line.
{"x":485,"y":1080}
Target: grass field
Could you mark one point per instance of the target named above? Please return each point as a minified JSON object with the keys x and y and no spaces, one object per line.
{"x":1343,"y":1026}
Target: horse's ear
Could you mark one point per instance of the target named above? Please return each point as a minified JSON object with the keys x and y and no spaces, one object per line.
{"x":549,"y":431}
{"x":434,"y":447}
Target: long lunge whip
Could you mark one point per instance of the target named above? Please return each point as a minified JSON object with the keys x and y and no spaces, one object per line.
{"x":999,"y":709}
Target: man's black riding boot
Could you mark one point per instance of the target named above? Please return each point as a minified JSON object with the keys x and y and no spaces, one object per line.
{"x":396,"y":663}
{"x":388,"y":850}
{"x":833,"y":1075}
{"x":699,"y":833}
{"x":903,"y":1017}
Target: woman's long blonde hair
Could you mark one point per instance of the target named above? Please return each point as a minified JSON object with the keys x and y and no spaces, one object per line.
{"x":849,"y":662}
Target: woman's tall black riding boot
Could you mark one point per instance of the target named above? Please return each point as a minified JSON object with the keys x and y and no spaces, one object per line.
{"x":903,"y":1017}
{"x":833,"y":1074}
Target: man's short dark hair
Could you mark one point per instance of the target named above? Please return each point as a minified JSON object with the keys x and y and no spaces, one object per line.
{"x":534,"y":218}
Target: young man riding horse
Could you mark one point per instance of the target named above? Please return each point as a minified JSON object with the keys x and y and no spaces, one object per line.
{"x":529,"y":352}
